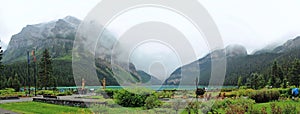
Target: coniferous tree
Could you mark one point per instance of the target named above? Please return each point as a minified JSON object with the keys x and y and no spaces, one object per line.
{"x":45,"y":71}
{"x":240,"y":82}
{"x":1,"y":54}
{"x":294,"y":74}
{"x":276,"y":78}
{"x":2,"y":77}
{"x":13,"y":82}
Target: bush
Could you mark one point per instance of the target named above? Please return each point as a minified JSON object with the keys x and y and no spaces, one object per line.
{"x":228,"y":89}
{"x":8,"y":92}
{"x":193,"y":107}
{"x":152,"y":102}
{"x":265,"y":95}
{"x":45,"y":92}
{"x":107,"y":93}
{"x":165,"y":94}
{"x":133,"y":97}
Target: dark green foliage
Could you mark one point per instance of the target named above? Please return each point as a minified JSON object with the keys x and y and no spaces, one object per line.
{"x":13,"y":82}
{"x":152,"y":102}
{"x":294,"y":73}
{"x":1,"y":54}
{"x":276,"y":77}
{"x":46,"y":79}
{"x":133,"y":97}
{"x":62,"y":70}
{"x":240,"y":82}
{"x":256,"y":81}
{"x":265,"y":95}
{"x":2,"y":79}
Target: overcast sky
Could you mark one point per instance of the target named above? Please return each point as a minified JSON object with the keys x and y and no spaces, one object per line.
{"x":251,"y":23}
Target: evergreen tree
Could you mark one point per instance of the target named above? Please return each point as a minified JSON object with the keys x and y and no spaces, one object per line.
{"x":2,"y":77}
{"x":256,"y":81}
{"x":13,"y":82}
{"x":240,"y":82}
{"x":276,"y":77}
{"x":45,"y":71}
{"x":294,"y":74}
{"x":1,"y":54}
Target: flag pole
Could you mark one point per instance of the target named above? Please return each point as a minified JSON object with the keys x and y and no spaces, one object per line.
{"x":28,"y":72}
{"x":34,"y":63}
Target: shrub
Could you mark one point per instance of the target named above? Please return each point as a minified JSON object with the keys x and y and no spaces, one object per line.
{"x":224,"y":104}
{"x":46,"y":92}
{"x":193,"y":107}
{"x":290,"y":109}
{"x":228,"y":89}
{"x":133,"y":97}
{"x":7,"y":92}
{"x":244,"y":92}
{"x":107,"y":93}
{"x":165,"y":94}
{"x":152,"y":102}
{"x":265,"y":95}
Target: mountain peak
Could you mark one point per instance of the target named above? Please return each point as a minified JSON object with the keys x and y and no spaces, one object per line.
{"x":57,"y":35}
{"x":72,"y":19}
{"x":235,"y":50}
{"x":290,"y":44}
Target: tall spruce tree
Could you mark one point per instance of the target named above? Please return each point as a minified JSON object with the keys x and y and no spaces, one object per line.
{"x":45,"y":71}
{"x":2,"y":77}
{"x":240,"y":83}
{"x":276,"y":78}
{"x":1,"y":54}
{"x":294,"y":74}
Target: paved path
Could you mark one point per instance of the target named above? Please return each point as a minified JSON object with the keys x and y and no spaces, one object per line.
{"x":2,"y":111}
{"x":15,"y":100}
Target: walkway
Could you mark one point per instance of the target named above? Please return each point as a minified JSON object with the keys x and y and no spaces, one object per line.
{"x":15,"y":100}
{"x":2,"y":111}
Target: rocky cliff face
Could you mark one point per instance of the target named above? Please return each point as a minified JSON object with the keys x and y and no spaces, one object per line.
{"x":57,"y":36}
{"x":289,"y":45}
{"x":231,"y":51}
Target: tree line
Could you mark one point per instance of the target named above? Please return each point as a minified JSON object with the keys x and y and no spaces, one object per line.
{"x":15,"y":75}
{"x":280,"y":76}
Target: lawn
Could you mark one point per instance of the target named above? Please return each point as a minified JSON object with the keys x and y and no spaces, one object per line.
{"x":43,"y":108}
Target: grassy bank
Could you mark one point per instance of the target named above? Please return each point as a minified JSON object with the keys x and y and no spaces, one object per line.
{"x":42,"y":108}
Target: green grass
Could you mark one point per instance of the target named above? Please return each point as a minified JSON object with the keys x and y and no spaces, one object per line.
{"x":42,"y":108}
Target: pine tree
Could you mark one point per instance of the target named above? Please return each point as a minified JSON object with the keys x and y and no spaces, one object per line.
{"x":2,"y":78}
{"x":45,"y":71}
{"x":240,"y":82}
{"x":1,"y":53}
{"x":277,"y":77}
{"x":294,"y":74}
{"x":13,"y":82}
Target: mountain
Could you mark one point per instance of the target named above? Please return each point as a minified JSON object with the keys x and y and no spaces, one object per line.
{"x":289,"y":45}
{"x":58,"y":37}
{"x":239,"y":63}
{"x":146,"y":78}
